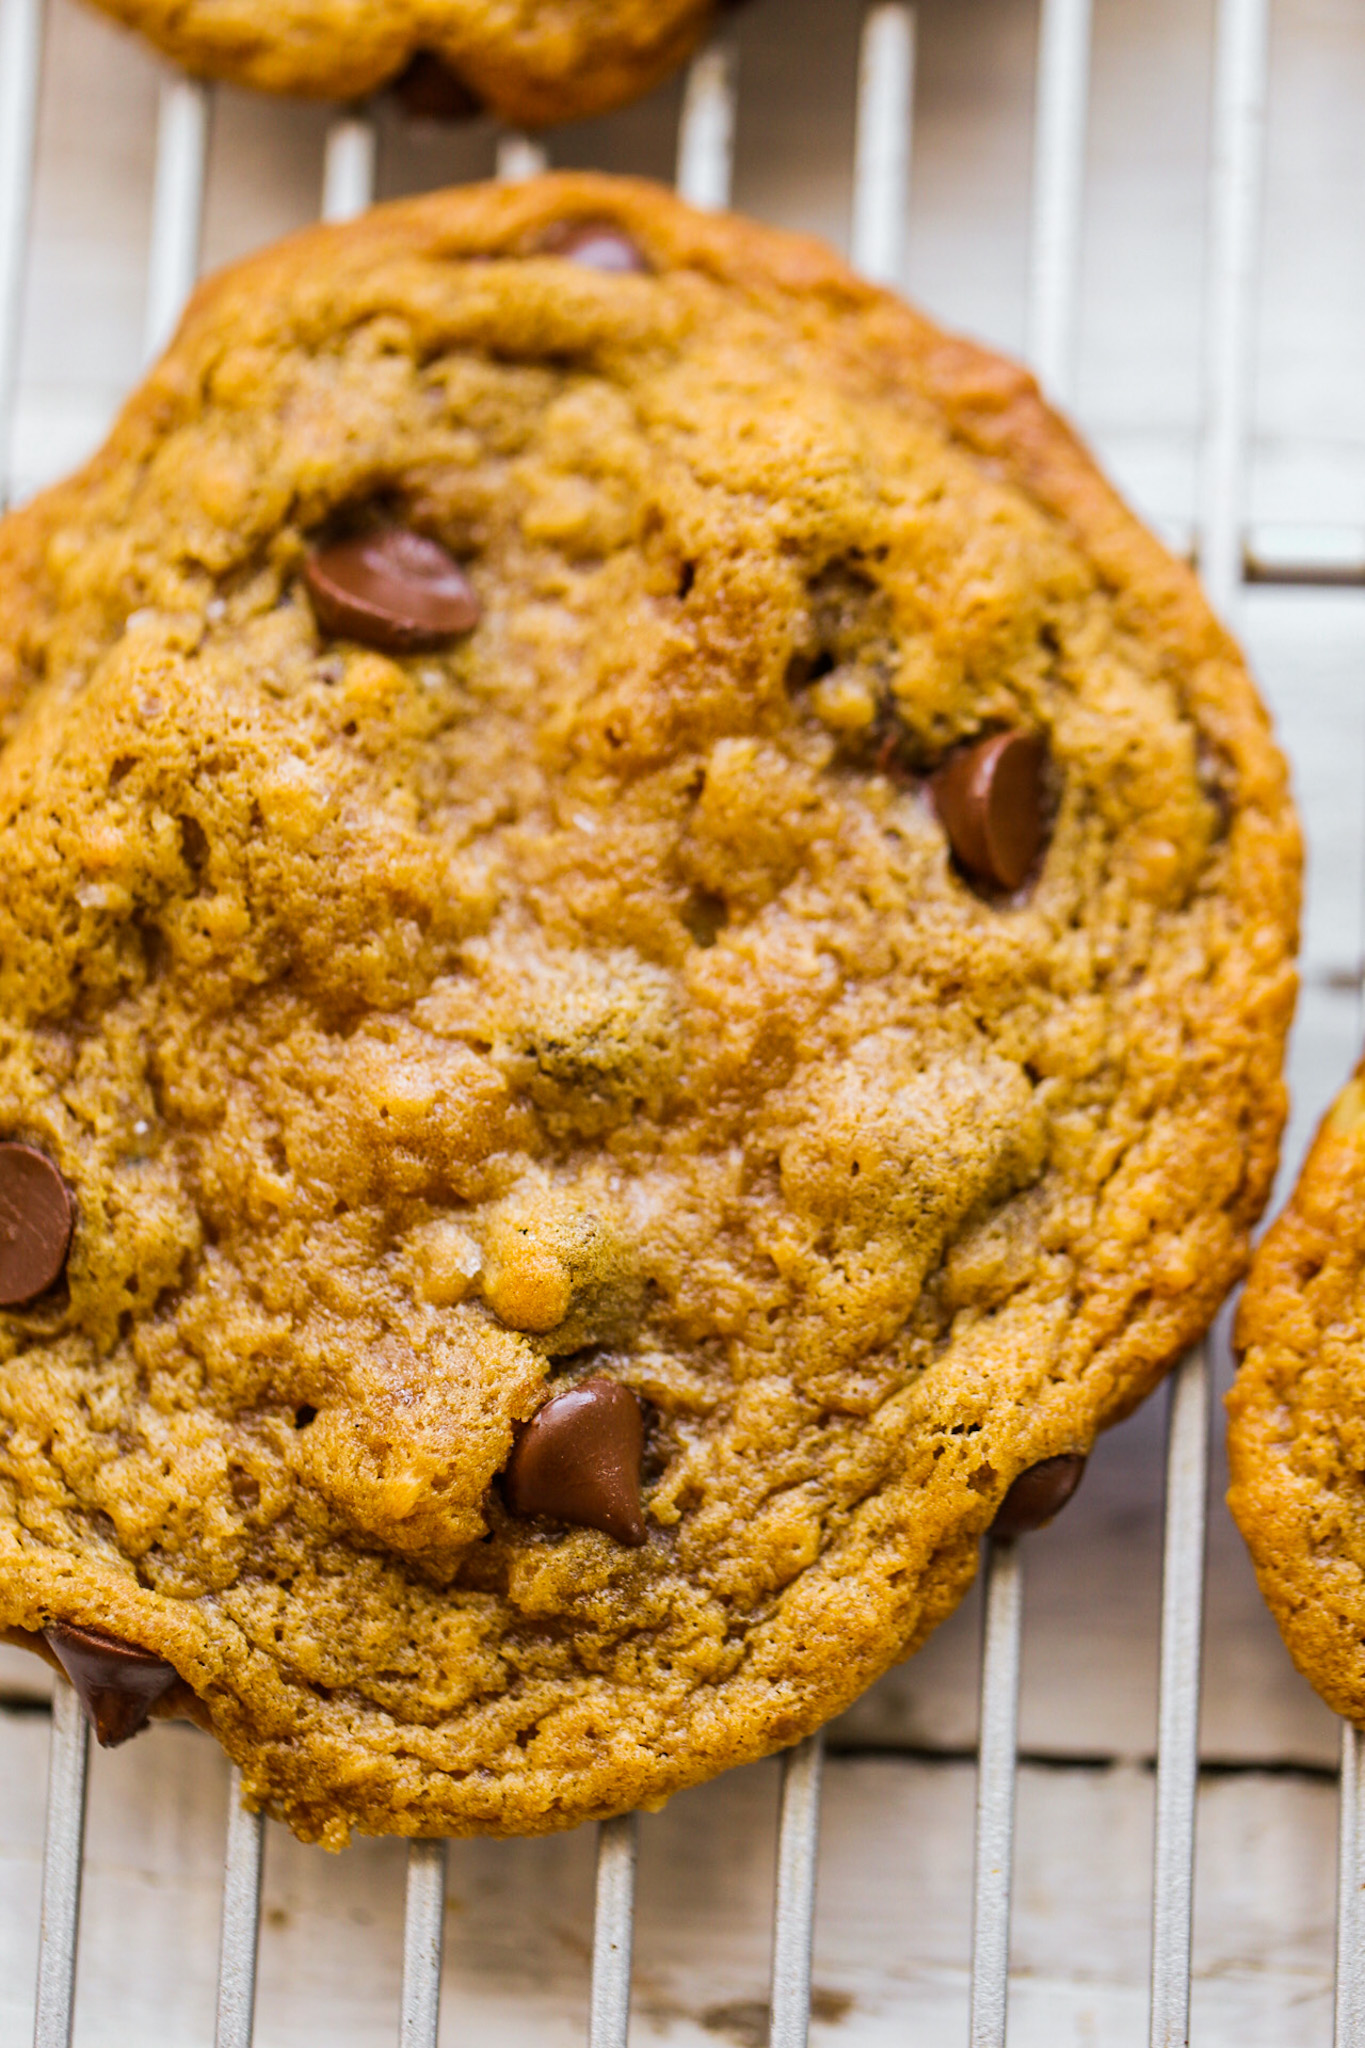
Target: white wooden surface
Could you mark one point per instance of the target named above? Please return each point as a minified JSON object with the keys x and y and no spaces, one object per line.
{"x":892,"y":1943}
{"x":891,"y":1946}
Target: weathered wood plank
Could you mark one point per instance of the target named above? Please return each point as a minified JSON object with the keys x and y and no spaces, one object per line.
{"x":892,"y":1942}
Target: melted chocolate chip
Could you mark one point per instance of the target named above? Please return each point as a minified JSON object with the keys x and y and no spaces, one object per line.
{"x":991,"y":800}
{"x":116,"y":1683}
{"x":578,"y":1461}
{"x":1038,"y":1494}
{"x":395,"y":590}
{"x":430,"y":91}
{"x":36,"y":1219}
{"x":597,"y":245}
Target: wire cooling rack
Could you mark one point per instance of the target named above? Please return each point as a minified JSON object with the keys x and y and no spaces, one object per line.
{"x":704,"y":156}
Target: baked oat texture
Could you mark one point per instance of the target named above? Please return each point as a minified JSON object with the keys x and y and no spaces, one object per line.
{"x":597,"y":997}
{"x":1296,"y":1431}
{"x":531,"y":61}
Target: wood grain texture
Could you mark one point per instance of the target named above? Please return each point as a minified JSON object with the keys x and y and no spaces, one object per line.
{"x":892,"y":1940}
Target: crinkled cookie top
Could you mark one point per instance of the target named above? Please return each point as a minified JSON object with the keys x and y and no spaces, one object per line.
{"x":636,"y":997}
{"x":531,"y":61}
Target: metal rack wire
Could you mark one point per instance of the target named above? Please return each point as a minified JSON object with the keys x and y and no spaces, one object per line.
{"x":879,"y":214}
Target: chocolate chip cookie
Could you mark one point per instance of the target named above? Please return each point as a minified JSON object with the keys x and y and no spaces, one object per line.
{"x":531,"y":61}
{"x":644,"y":964}
{"x":1296,"y":1440}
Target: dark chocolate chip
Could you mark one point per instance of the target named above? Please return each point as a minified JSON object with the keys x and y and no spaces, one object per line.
{"x":991,"y":800}
{"x":394,"y":589}
{"x":597,"y":245}
{"x":36,"y":1219}
{"x":116,"y":1683}
{"x":430,"y":91}
{"x":578,"y":1460}
{"x":1038,"y":1494}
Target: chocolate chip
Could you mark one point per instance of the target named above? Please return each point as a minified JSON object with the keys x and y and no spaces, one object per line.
{"x":578,"y":1461}
{"x":394,"y":589}
{"x":990,"y":798}
{"x":1038,"y":1494}
{"x":116,"y":1683}
{"x":597,"y":245}
{"x":36,"y":1219}
{"x":430,"y":91}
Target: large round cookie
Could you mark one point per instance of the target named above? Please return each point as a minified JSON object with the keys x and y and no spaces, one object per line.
{"x":802,"y":978}
{"x":531,"y":61}
{"x":1296,"y":1433}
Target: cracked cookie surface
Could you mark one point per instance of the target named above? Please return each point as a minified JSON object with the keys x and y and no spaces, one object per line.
{"x":533,"y":62}
{"x":602,"y":999}
{"x":1296,"y":1444}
